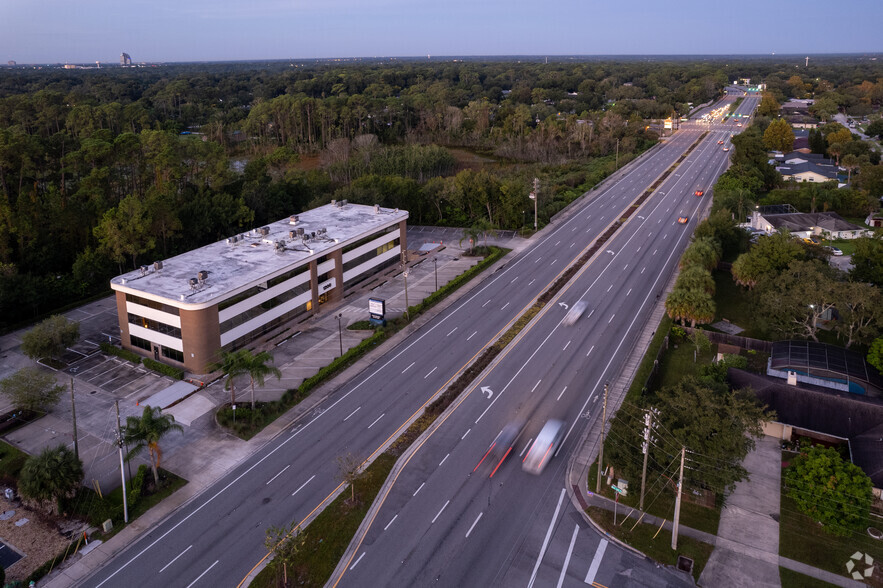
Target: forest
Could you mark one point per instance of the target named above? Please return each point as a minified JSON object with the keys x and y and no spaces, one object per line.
{"x":104,"y":169}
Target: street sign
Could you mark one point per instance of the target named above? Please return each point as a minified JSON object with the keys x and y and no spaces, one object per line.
{"x":618,"y":490}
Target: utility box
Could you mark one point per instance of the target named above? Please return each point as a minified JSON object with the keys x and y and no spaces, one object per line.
{"x":107,"y":525}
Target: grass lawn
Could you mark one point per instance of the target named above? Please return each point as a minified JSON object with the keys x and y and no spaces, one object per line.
{"x":802,"y":539}
{"x":660,"y":547}
{"x":734,"y":304}
{"x":847,"y":246}
{"x":792,"y":579}
{"x":660,"y":502}
{"x":676,"y":364}
{"x":11,"y":461}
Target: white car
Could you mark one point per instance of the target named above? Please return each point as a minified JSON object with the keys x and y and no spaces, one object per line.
{"x":834,"y":251}
{"x":544,"y":447}
{"x":574,"y":313}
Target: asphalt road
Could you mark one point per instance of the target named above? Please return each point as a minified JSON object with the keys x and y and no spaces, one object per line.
{"x":220,"y":534}
{"x":447,"y":522}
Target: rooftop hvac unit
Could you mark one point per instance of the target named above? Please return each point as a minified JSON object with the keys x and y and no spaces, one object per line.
{"x":279,"y":246}
{"x":292,"y":234}
{"x":334,"y":203}
{"x":313,"y":235}
{"x":343,"y":203}
{"x":144,"y":270}
{"x":265,"y":231}
{"x":202,"y":276}
{"x":293,"y":219}
{"x":193,"y":283}
{"x":300,"y":231}
{"x":376,"y":209}
{"x":157,"y":266}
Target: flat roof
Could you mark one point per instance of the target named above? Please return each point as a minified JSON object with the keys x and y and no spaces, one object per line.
{"x":253,"y":257}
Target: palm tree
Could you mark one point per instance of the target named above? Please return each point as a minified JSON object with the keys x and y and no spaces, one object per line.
{"x":233,"y":364}
{"x":147,"y":431}
{"x":473,"y":234}
{"x":257,"y":369}
{"x":53,"y":474}
{"x":850,"y":162}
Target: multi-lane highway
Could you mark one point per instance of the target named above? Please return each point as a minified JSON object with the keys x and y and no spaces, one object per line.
{"x":553,"y":371}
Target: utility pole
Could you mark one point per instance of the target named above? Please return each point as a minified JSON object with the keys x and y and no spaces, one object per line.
{"x":677,"y":519}
{"x":601,"y":450}
{"x":122,"y":468}
{"x":616,"y":165}
{"x":74,"y":417}
{"x":407,"y":315}
{"x":648,"y":425}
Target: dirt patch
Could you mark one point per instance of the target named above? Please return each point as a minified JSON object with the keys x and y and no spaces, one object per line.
{"x":38,"y":540}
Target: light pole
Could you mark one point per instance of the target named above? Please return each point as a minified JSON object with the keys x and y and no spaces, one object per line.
{"x":435,"y":262}
{"x":340,"y":332}
{"x":535,"y":196}
{"x":407,"y":315}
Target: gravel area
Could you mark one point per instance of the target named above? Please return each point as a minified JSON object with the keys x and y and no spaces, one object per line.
{"x":38,"y":540}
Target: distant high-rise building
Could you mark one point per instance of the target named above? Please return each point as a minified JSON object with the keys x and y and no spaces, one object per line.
{"x":10,"y":62}
{"x":125,"y":59}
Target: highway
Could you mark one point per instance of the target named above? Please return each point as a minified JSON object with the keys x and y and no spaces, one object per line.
{"x":449,"y":522}
{"x":220,"y":534}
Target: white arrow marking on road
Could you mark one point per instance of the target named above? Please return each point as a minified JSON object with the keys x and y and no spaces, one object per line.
{"x":610,"y":252}
{"x":564,"y":305}
{"x":488,"y":391}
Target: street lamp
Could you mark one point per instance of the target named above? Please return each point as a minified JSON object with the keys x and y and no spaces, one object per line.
{"x":407,"y":315}
{"x":435,"y":261}
{"x":535,"y":196}
{"x":340,"y":331}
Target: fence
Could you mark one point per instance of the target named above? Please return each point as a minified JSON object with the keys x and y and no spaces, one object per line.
{"x":743,"y":342}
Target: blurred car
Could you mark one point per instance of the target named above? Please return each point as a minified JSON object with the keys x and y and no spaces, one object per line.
{"x":542,"y":450}
{"x":502,"y":446}
{"x":726,"y":148}
{"x":683,"y":219}
{"x":574,"y":313}
{"x":698,"y":193}
{"x":738,"y":124}
{"x":721,"y":142}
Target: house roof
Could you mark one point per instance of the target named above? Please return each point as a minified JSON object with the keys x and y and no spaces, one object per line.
{"x":802,"y":221}
{"x":824,"y":360}
{"x":853,"y":417}
{"x":807,"y":167}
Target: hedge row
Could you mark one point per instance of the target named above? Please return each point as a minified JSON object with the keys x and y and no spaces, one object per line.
{"x":119,"y":352}
{"x":162,"y":368}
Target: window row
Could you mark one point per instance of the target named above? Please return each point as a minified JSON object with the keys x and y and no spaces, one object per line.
{"x":357,"y":261}
{"x":152,"y":304}
{"x":263,"y":307}
{"x":154,"y":325}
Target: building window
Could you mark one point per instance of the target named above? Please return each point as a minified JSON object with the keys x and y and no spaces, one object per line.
{"x":154,"y":325}
{"x":152,"y":304}
{"x":369,"y":238}
{"x":263,"y":307}
{"x":357,"y":261}
{"x":139,"y":342}
{"x":173,"y":354}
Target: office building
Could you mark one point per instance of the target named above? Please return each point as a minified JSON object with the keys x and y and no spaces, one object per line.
{"x":183,"y":311}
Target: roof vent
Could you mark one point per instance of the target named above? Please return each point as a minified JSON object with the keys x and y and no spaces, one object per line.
{"x":292,"y":234}
{"x":193,"y":283}
{"x":292,"y":220}
{"x":343,"y":203}
{"x":376,"y":209}
{"x":279,"y":246}
{"x":157,"y":266}
{"x":265,"y":231}
{"x":202,"y":276}
{"x":144,"y":270}
{"x":334,"y":203}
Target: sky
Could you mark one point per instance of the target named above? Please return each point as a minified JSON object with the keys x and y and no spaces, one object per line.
{"x":84,"y":31}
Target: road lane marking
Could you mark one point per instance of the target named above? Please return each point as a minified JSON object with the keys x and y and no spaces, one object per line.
{"x":389,"y":523}
{"x":610,"y":288}
{"x":536,"y":567}
{"x":562,"y":394}
{"x":532,"y":281}
{"x":525,"y":447}
{"x":611,"y":318}
{"x":304,"y":484}
{"x":565,"y":346}
{"x":557,"y":243}
{"x":464,"y":434}
{"x":452,"y":331}
{"x":351,"y":414}
{"x":430,"y":372}
{"x":571,"y":245}
{"x":629,"y":292}
{"x":441,"y":511}
{"x":418,"y":489}
{"x":535,"y":386}
{"x":358,"y":560}
{"x":590,"y":350}
{"x":626,"y":267}
{"x":276,"y":476}
{"x":409,"y":367}
{"x":176,"y":559}
{"x":202,"y":574}
{"x":513,"y":280}
{"x":643,"y":268}
{"x":473,"y":524}
{"x":553,"y":261}
{"x":567,"y":559}
{"x":504,"y":306}
{"x":471,"y":336}
{"x":444,"y":460}
{"x":375,"y":420}
{"x":538,"y":259}
{"x":486,"y":303}
{"x":596,"y":562}
{"x":654,"y":251}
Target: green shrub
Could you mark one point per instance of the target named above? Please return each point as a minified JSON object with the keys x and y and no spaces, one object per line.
{"x":162,"y":368}
{"x":119,"y":352}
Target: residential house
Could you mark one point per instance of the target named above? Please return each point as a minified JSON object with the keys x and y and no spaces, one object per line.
{"x":804,"y":224}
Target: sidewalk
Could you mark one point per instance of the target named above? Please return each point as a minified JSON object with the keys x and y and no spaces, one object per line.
{"x":206,"y":460}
